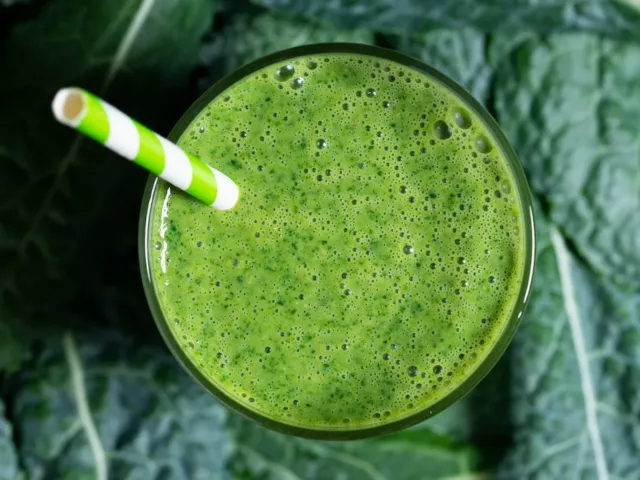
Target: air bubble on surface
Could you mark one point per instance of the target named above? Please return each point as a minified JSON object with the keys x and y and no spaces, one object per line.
{"x":483,"y":145}
{"x":461,"y":118}
{"x":441,"y":130}
{"x":284,"y":73}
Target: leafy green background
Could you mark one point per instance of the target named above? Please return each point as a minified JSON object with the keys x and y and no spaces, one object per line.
{"x":88,"y":390}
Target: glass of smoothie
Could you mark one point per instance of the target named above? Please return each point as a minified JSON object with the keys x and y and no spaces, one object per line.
{"x":380,"y":256}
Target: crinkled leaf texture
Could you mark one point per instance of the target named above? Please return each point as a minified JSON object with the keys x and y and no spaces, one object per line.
{"x":99,"y":406}
{"x":618,"y":18}
{"x":575,"y":383}
{"x":570,"y":104}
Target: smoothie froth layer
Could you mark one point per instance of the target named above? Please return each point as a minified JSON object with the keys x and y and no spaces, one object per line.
{"x":373,"y":259}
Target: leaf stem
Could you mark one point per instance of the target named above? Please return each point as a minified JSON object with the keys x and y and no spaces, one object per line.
{"x":573,"y":314}
{"x":80,"y":394}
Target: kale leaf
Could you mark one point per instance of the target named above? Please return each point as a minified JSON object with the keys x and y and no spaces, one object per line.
{"x":99,"y":406}
{"x":616,"y":18}
{"x":68,"y":207}
{"x":570,"y":105}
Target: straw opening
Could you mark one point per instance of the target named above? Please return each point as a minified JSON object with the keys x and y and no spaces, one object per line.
{"x":69,"y":106}
{"x":73,"y":106}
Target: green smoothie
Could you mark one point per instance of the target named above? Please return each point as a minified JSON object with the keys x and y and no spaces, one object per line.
{"x":373,"y":260}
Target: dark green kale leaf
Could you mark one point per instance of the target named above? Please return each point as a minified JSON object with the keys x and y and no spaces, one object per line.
{"x":574,"y":373}
{"x":68,"y":207}
{"x":617,"y":18}
{"x":570,"y":105}
{"x":100,"y":406}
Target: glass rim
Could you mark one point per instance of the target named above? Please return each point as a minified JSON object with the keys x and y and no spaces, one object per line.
{"x":510,"y":326}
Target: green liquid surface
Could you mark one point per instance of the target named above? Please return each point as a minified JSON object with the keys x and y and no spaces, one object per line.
{"x":374,"y":257}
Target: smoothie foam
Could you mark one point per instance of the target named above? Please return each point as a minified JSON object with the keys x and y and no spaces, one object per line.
{"x":373,"y":259}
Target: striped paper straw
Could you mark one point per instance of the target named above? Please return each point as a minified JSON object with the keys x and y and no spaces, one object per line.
{"x":106,"y":124}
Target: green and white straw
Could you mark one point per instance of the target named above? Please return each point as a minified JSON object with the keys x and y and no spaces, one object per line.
{"x":107,"y":125}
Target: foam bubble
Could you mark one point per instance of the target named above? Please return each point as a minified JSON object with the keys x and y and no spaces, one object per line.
{"x":284,"y":73}
{"x":483,"y":145}
{"x":461,"y":118}
{"x":441,"y":130}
